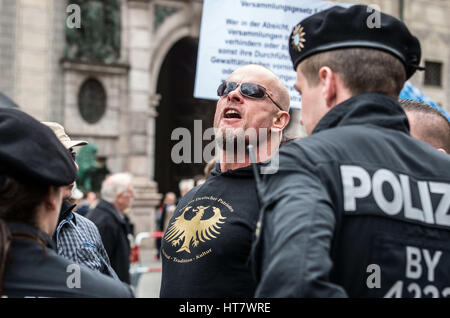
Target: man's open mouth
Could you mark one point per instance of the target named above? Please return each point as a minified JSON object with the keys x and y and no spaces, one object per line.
{"x":231,"y":113}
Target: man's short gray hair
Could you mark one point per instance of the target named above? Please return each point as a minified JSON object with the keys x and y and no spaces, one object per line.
{"x":186,"y":184}
{"x":114,"y":185}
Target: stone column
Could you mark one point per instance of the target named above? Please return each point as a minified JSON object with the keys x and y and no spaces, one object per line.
{"x":8,"y":12}
{"x":33,"y":68}
{"x":142,"y":117}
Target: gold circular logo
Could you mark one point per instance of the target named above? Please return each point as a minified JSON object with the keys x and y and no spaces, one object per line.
{"x":298,"y":37}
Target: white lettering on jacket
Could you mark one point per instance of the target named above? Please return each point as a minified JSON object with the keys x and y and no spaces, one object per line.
{"x":358,"y":184}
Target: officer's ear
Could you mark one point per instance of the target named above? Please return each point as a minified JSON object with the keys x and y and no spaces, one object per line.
{"x":333,"y":89}
{"x":328,"y":81}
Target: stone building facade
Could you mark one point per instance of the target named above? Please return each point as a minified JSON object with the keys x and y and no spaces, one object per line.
{"x":35,"y":75}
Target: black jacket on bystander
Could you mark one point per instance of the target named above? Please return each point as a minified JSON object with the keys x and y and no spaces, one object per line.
{"x":114,"y":230}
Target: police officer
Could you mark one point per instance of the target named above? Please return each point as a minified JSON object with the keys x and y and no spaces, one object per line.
{"x":359,"y":208}
{"x":34,"y":166}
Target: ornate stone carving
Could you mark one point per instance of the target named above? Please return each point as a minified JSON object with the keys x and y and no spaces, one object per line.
{"x":161,"y":13}
{"x":98,"y":39}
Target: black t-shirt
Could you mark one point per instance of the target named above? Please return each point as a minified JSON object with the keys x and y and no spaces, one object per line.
{"x":206,"y":247}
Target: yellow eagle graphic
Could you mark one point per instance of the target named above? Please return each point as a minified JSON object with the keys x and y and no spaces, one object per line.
{"x":194,"y":229}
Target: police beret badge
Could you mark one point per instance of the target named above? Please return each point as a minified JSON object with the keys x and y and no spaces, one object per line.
{"x":298,"y":37}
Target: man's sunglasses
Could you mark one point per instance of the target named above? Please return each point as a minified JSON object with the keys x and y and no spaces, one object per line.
{"x":251,"y":90}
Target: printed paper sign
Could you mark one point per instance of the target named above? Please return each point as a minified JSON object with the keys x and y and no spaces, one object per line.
{"x":239,"y":32}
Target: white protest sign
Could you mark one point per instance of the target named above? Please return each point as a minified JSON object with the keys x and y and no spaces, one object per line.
{"x":239,"y":32}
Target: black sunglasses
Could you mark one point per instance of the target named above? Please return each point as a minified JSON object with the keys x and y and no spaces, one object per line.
{"x":251,"y":90}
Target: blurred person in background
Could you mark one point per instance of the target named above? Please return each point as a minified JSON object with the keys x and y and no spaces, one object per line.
{"x":185,"y":185}
{"x":427,"y":124}
{"x":76,"y":237}
{"x":88,"y":203}
{"x":85,"y":205}
{"x":110,"y":217}
{"x":199,"y":180}
{"x":208,"y":168}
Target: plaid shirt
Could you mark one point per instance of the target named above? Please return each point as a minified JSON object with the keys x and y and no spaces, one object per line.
{"x":79,"y":240}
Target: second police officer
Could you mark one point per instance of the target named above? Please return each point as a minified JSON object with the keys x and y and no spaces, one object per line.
{"x":359,"y":208}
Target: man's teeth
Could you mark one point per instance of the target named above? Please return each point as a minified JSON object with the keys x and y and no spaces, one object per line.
{"x":231,"y":112}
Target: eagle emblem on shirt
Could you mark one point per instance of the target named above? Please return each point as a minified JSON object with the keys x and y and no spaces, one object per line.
{"x":194,"y":230}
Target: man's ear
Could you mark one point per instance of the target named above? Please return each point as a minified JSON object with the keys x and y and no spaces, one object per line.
{"x":281,"y":120}
{"x":329,"y":90}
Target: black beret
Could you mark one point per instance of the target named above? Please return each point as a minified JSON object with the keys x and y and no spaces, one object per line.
{"x":30,"y":151}
{"x":339,"y":27}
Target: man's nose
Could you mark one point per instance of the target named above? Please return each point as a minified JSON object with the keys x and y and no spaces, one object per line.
{"x":76,"y":166}
{"x":235,"y":96}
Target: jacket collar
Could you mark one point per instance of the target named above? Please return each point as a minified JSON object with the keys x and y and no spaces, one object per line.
{"x":66,"y":211}
{"x":16,"y":227}
{"x":111,"y":209}
{"x":241,"y":172}
{"x":366,"y":109}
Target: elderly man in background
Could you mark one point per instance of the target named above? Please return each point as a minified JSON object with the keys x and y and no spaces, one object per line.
{"x":76,"y":237}
{"x":110,"y":217}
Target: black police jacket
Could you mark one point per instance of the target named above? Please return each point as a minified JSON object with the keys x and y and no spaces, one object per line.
{"x":114,"y":231}
{"x":359,"y":209}
{"x":33,"y":269}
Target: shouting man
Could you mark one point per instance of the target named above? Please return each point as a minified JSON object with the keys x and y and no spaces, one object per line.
{"x":206,"y":247}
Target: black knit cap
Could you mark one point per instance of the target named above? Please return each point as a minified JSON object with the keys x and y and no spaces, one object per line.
{"x":31,"y":152}
{"x":340,"y":27}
